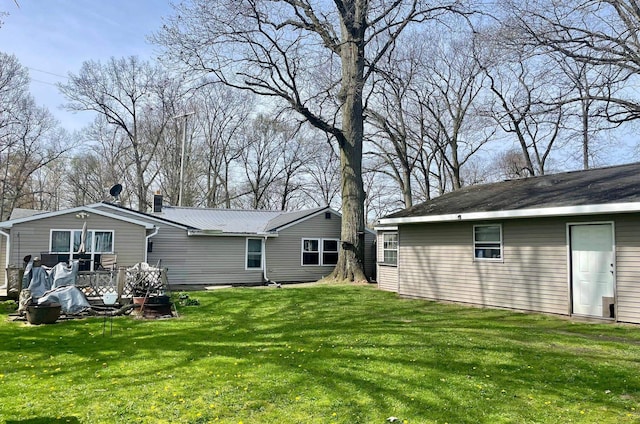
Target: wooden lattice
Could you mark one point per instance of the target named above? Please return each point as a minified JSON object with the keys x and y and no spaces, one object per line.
{"x":145,"y":282}
{"x":98,"y":283}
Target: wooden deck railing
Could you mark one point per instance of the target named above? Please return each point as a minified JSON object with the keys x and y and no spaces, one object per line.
{"x":94,"y":284}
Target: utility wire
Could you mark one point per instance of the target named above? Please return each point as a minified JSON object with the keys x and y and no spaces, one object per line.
{"x":43,"y":82}
{"x":47,"y":72}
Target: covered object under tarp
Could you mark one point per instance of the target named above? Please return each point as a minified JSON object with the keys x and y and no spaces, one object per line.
{"x":56,"y":285}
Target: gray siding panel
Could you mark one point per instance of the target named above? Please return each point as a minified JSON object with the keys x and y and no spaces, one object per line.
{"x":388,"y":278}
{"x":627,"y":231}
{"x":3,"y":260}
{"x":33,"y":237}
{"x":436,"y":262}
{"x":284,"y":253}
{"x":215,"y":260}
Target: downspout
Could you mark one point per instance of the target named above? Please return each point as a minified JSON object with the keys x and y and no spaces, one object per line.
{"x":264,"y":260}
{"x":6,"y":254}
{"x":146,"y":247}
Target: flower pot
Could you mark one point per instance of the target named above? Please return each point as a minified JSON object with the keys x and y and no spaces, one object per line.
{"x":43,"y":314}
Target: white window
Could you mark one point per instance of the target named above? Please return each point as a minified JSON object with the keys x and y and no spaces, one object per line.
{"x":320,"y":252}
{"x":390,"y":248}
{"x":310,"y":252}
{"x":68,"y":244}
{"x":487,"y":242}
{"x":254,"y":253}
{"x":69,"y":241}
{"x":329,"y":251}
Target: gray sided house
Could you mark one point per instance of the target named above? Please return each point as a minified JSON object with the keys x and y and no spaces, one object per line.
{"x":199,"y":247}
{"x":565,"y":244}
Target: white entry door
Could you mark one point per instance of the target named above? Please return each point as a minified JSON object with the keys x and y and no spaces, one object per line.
{"x":592,"y":272}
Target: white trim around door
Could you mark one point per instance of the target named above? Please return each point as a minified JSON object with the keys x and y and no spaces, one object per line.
{"x":592,"y":269}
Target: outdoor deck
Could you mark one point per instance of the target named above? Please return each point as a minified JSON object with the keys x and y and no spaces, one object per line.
{"x":95,"y":284}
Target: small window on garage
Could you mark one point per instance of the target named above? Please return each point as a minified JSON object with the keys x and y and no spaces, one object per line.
{"x":487,"y":242}
{"x":390,"y":248}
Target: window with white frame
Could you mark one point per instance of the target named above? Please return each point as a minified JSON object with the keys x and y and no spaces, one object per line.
{"x":487,"y":242}
{"x":330,"y":251}
{"x":310,"y":251}
{"x":69,"y":241}
{"x":254,"y":253}
{"x":390,"y":248}
{"x":320,"y":252}
{"x":68,"y":244}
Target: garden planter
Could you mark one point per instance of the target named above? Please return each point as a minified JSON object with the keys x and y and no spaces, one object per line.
{"x":43,"y":314}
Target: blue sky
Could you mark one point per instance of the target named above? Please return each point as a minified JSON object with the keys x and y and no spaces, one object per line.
{"x":54,"y":37}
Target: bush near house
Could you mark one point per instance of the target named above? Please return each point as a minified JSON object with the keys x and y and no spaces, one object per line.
{"x":322,"y":354}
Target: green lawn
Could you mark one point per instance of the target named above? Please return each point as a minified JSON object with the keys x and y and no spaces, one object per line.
{"x":321,"y":354}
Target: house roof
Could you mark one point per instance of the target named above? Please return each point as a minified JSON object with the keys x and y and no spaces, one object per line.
{"x":233,"y":221}
{"x":41,"y":215}
{"x":603,"y":190}
{"x":143,"y":215}
{"x":18,"y":213}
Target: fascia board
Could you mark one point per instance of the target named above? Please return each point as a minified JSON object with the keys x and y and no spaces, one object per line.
{"x":518,"y":213}
{"x":209,"y":233}
{"x":89,"y":210}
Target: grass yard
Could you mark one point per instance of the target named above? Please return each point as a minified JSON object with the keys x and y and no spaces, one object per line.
{"x":321,"y":354}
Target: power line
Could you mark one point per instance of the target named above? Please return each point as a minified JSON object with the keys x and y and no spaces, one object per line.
{"x":44,"y":82}
{"x":47,"y":72}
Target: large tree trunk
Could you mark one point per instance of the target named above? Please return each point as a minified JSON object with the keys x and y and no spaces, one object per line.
{"x":351,"y":262}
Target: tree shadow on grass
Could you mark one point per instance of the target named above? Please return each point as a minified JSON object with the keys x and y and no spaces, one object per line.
{"x":386,"y":351}
{"x":46,"y":420}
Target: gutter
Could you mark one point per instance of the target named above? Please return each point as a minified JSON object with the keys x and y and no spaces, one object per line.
{"x":518,"y":213}
{"x":217,"y":233}
{"x":264,"y":259}
{"x":146,"y":247}
{"x":6,"y":255}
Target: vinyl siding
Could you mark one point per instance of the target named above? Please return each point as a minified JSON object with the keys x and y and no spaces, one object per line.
{"x":3,"y":261}
{"x":284,"y":253}
{"x":33,"y":237}
{"x":197,"y":260}
{"x":388,"y":278}
{"x":627,"y":236}
{"x":436,"y":262}
{"x":213,"y":261}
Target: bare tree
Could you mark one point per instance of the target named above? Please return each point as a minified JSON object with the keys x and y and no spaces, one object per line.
{"x":512,"y":164}
{"x":528,"y":101}
{"x":322,"y":173}
{"x":584,"y":85}
{"x":451,"y":98}
{"x":126,"y":91}
{"x":397,"y":140}
{"x":600,"y":33}
{"x":262,"y":158}
{"x":222,"y":115}
{"x":315,"y":56}
{"x":103,"y":162}
{"x":30,"y":138}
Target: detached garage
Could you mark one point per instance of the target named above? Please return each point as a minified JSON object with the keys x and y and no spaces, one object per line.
{"x":565,"y":244}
